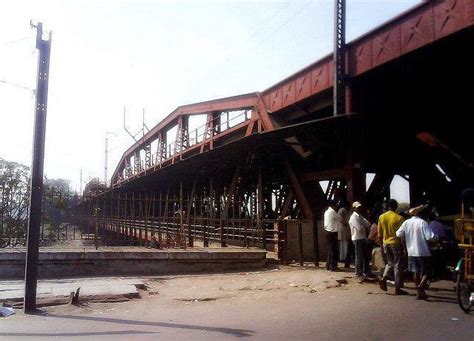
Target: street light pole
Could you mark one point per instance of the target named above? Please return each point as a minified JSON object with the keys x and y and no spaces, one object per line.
{"x":36,"y":183}
{"x":106,"y":156}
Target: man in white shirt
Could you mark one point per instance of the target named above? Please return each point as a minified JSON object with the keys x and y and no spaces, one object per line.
{"x":359,"y":227}
{"x":332,"y":225}
{"x":415,"y":234}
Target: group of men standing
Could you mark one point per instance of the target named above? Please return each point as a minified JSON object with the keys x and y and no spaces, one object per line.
{"x":396,"y":236}
{"x":340,"y":223}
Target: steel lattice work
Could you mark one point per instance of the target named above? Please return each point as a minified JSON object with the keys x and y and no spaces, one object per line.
{"x":263,"y":157}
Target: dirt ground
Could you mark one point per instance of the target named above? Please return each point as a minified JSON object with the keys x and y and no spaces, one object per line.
{"x":270,"y":283}
{"x":279,"y":302}
{"x":257,"y":285}
{"x":184,"y":290}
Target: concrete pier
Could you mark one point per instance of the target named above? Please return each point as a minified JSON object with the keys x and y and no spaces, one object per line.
{"x":129,"y":261}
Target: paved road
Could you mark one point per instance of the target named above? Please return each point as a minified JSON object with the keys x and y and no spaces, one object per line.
{"x":360,"y":311}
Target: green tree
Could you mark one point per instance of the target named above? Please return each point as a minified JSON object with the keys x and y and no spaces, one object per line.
{"x":14,"y":192}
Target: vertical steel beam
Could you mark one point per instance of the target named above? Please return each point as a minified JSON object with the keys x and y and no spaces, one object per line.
{"x":106,"y":158}
{"x":355,"y":162}
{"x":178,"y":140}
{"x":229,"y":199}
{"x":138,"y":222}
{"x":315,"y":242}
{"x":137,"y":162}
{"x":166,"y":216}
{"x":160,"y":219}
{"x":148,"y":159}
{"x":300,"y":243}
{"x":181,"y":233}
{"x":96,"y":230}
{"x":188,"y":217}
{"x":36,"y":184}
{"x":207,"y":132}
{"x":260,"y":225}
{"x":339,"y":72}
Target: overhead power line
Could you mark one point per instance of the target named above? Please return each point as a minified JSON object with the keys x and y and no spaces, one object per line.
{"x":292,"y":16}
{"x":259,"y":31}
{"x":15,"y":41}
{"x":17,"y":85}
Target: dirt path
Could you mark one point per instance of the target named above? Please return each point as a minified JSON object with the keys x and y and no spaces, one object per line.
{"x":288,"y":303}
{"x":267,"y":284}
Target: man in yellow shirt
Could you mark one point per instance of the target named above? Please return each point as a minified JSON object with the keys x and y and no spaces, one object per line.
{"x":387,"y":227}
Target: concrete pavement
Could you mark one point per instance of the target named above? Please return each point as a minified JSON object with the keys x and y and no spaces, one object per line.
{"x":57,"y":291}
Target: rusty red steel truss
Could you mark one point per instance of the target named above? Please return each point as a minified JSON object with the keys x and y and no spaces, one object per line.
{"x":255,"y":112}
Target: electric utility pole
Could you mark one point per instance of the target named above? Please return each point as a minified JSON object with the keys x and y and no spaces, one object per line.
{"x":80,"y":183}
{"x":36,"y":182}
{"x":339,"y":73}
{"x":106,"y":156}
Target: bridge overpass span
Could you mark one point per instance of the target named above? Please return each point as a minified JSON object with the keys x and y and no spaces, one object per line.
{"x":255,"y":168}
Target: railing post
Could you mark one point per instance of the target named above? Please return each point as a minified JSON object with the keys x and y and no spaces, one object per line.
{"x":300,"y":242}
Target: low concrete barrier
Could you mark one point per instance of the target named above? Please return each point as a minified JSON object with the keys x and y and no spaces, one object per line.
{"x":127,"y":262}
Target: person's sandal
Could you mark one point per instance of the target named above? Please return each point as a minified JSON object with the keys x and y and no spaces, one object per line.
{"x":383,"y":285}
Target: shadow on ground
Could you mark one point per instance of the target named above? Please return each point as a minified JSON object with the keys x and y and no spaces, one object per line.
{"x":78,"y":334}
{"x":223,"y":330}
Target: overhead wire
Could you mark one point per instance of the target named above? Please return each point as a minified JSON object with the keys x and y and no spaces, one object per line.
{"x":290,"y":18}
{"x":12,"y":42}
{"x":17,"y":85}
{"x":257,"y":29}
{"x":296,"y":14}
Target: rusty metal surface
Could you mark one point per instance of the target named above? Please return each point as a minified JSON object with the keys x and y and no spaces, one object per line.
{"x":418,"y":27}
{"x":414,"y":29}
{"x":178,"y":117}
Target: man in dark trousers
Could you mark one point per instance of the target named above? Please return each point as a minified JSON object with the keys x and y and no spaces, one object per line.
{"x":332,"y":225}
{"x":359,"y":227}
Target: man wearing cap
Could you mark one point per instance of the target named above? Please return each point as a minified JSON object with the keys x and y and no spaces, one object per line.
{"x":359,"y":227}
{"x":416,"y":233}
{"x":388,"y":224}
{"x":332,"y":224}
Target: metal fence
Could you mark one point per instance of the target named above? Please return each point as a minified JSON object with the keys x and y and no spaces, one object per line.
{"x":55,"y":221}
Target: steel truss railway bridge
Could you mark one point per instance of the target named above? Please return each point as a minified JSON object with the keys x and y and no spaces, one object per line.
{"x":267,"y":159}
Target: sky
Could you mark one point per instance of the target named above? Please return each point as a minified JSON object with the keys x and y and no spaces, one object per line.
{"x":156,"y":55}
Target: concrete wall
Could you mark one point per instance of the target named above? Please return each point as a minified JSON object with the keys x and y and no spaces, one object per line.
{"x":308,"y":244}
{"x":80,"y":264}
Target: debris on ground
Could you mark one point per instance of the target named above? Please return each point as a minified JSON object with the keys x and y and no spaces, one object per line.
{"x":6,"y":311}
